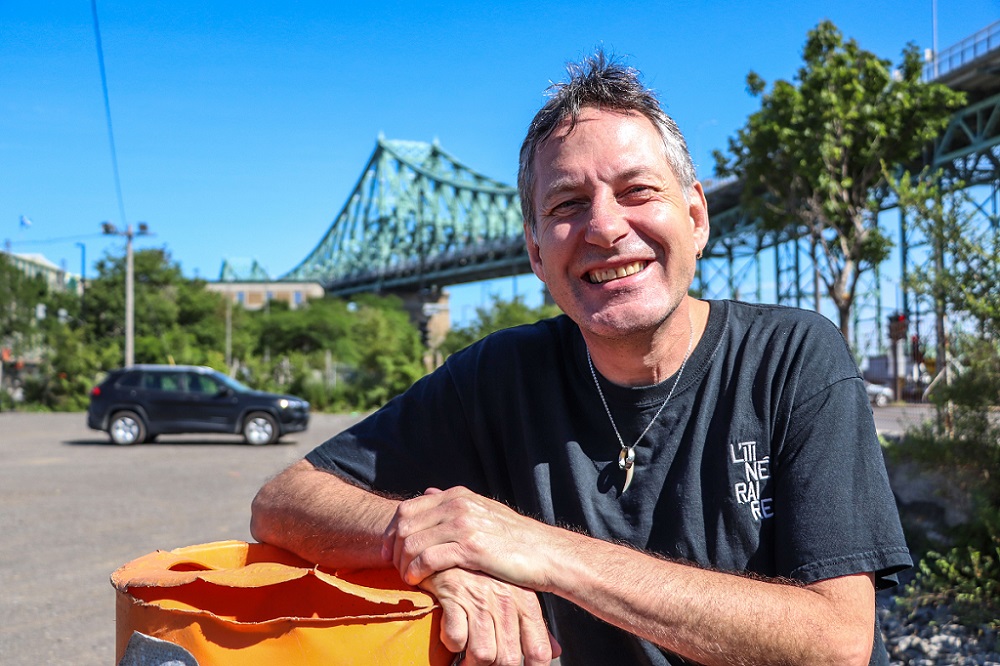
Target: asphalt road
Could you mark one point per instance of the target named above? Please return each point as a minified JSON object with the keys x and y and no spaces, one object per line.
{"x":894,"y":420}
{"x":73,"y":508}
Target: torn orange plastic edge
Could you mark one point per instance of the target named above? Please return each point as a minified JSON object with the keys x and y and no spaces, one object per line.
{"x":231,"y":602}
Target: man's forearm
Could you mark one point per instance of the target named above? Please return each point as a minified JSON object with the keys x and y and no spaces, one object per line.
{"x":719,"y":618}
{"x":321,"y":518}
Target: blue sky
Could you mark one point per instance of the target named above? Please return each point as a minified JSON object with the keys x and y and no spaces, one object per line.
{"x":241,"y":127}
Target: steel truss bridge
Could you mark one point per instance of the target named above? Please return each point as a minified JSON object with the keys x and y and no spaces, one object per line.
{"x":418,"y":219}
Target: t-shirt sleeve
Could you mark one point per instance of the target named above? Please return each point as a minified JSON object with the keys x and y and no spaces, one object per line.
{"x":418,"y":440}
{"x":835,"y":513}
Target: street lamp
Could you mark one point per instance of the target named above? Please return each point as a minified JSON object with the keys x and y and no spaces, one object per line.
{"x":111,"y":230}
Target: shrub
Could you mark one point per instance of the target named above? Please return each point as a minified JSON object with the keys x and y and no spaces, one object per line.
{"x":967,"y":577}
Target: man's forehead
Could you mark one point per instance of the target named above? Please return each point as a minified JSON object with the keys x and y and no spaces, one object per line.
{"x":643,"y":139}
{"x":588,"y":114}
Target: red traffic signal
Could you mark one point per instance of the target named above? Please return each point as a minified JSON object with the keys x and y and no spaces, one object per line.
{"x":897,"y":326}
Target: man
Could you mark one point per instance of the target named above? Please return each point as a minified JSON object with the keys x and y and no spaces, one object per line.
{"x":682,"y":481}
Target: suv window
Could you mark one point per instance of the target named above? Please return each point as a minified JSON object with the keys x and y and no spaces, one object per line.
{"x":129,"y":380}
{"x":201,"y":384}
{"x":162,"y":381}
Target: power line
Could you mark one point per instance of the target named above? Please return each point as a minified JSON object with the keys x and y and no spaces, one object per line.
{"x":107,"y":109}
{"x":52,"y":241}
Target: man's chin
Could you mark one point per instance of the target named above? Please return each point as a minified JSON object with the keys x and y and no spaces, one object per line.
{"x":621,"y":323}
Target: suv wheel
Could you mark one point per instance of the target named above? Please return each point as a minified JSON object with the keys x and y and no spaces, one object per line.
{"x":127,"y":428}
{"x":260,"y":428}
{"x":881,"y":400}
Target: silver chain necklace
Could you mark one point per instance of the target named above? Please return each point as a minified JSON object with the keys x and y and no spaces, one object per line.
{"x":626,"y":458}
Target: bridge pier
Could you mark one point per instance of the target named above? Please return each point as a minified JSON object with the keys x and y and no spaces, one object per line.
{"x":428,"y":309}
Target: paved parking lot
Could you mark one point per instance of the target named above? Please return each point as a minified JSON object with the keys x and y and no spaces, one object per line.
{"x":73,"y":508}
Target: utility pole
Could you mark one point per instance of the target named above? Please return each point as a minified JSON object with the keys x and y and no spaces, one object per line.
{"x":934,"y":36}
{"x":229,"y":334}
{"x":83,"y":280}
{"x":111,"y":230}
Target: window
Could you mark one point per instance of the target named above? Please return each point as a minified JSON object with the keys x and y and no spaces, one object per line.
{"x":152,"y":381}
{"x":130,"y":380}
{"x":197,"y":383}
{"x":162,"y":381}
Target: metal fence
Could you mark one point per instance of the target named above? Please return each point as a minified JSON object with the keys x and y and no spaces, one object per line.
{"x":963,"y":52}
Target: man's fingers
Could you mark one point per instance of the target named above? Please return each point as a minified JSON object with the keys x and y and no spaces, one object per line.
{"x":537,"y":645}
{"x":493,"y":622}
{"x":456,"y":528}
{"x":481,"y":648}
{"x":454,"y":626}
{"x":416,"y":514}
{"x":430,"y":561}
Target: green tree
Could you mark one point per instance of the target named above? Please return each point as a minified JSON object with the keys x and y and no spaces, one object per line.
{"x":20,"y":295}
{"x":499,"y":315}
{"x":391,"y":356}
{"x":960,"y":279}
{"x":69,"y":370}
{"x":335,"y":353}
{"x":324,"y":324}
{"x":811,"y":157}
{"x":176,"y":319}
{"x":963,"y":269}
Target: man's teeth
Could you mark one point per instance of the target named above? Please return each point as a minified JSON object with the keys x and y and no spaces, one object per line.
{"x":605,"y":274}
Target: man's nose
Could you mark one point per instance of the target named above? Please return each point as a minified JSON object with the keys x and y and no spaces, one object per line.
{"x":607,"y":224}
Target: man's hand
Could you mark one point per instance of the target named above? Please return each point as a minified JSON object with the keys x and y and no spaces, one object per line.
{"x":442,"y":530}
{"x":493,"y":622}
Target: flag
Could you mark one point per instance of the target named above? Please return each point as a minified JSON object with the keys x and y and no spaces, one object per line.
{"x":25,"y":222}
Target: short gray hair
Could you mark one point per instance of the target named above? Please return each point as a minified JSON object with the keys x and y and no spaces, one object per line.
{"x":599,"y":82}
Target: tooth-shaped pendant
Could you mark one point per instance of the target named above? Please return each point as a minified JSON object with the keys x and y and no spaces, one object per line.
{"x":628,"y":478}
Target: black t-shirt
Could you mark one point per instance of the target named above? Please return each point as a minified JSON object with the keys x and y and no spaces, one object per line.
{"x":765,"y":460}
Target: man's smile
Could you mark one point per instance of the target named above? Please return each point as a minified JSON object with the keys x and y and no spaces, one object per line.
{"x":605,"y":274}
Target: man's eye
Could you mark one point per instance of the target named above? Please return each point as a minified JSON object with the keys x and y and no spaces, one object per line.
{"x":636,"y":194}
{"x":566,"y":206}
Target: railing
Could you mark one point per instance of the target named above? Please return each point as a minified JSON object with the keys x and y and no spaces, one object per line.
{"x":963,"y":52}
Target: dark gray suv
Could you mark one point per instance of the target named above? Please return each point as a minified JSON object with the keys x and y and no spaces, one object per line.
{"x":138,"y":403}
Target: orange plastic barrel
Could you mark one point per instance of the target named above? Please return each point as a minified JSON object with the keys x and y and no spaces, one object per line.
{"x":232,"y":602}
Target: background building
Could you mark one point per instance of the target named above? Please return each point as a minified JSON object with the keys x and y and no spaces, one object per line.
{"x":246,"y":283}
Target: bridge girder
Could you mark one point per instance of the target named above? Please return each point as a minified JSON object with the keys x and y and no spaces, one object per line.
{"x":416,"y":216}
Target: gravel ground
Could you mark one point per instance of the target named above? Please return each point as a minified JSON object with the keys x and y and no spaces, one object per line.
{"x":931,"y":636}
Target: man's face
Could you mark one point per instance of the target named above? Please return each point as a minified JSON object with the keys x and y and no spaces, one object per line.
{"x":616,"y":239}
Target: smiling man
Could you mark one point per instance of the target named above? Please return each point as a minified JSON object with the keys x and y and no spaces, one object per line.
{"x":677,"y":480}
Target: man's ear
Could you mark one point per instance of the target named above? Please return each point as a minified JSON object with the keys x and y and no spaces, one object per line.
{"x":698,"y":212}
{"x":534,"y":255}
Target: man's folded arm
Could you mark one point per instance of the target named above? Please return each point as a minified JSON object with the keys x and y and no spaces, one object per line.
{"x":329,"y":521}
{"x":322,"y":518}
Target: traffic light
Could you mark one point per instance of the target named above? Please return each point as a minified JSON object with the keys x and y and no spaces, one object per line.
{"x":897,"y":326}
